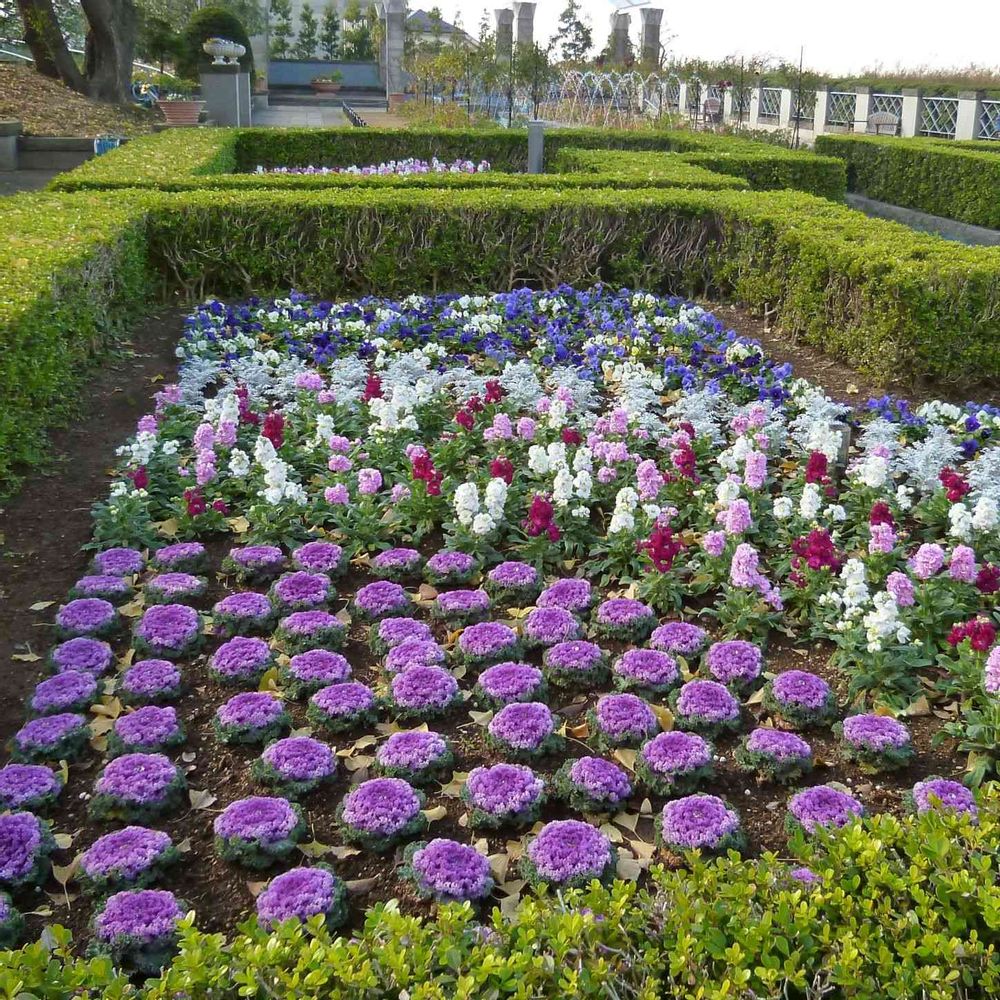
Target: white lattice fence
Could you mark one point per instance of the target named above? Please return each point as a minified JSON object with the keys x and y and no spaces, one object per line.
{"x":940,"y":116}
{"x":840,"y":109}
{"x":989,"y":121}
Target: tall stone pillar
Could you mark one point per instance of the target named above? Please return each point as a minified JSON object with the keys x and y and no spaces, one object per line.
{"x":505,"y":34}
{"x":619,"y":37}
{"x":524,"y":17}
{"x":649,"y":44}
{"x":395,"y":26}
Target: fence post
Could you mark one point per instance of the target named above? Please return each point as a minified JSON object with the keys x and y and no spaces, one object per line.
{"x":970,"y":110}
{"x":682,"y":98}
{"x":754,"y":113}
{"x":728,"y":111}
{"x":536,"y":146}
{"x":821,"y":108}
{"x":862,"y":107}
{"x":913,"y":112}
{"x":785,"y":112}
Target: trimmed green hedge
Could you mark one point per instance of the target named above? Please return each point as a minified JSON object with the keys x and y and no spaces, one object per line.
{"x":904,"y":909}
{"x":73,"y":274}
{"x":955,"y":181}
{"x":190,"y":159}
{"x":637,"y":170}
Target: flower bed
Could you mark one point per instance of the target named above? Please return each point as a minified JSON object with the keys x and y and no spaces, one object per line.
{"x":663,"y":537}
{"x":398,"y":168}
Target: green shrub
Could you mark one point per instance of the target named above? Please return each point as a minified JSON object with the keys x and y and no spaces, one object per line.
{"x":211,"y":22}
{"x":955,"y":181}
{"x":904,"y":909}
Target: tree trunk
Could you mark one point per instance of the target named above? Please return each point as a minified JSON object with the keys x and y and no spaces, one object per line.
{"x":44,"y":38}
{"x":110,"y":48}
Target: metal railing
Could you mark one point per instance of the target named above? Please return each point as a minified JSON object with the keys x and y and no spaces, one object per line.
{"x":940,"y":117}
{"x":353,"y":117}
{"x":890,"y":104}
{"x":840,"y":108}
{"x":769,"y":109}
{"x":988,"y":126}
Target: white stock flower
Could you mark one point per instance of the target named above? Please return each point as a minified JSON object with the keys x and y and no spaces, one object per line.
{"x":466,"y":503}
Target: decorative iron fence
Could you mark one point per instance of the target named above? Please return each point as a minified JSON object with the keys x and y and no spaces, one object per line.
{"x":989,"y":121}
{"x":840,"y":109}
{"x":940,"y":116}
{"x":769,"y":109}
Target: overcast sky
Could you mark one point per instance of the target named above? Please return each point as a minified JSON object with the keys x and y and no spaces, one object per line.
{"x":839,"y":36}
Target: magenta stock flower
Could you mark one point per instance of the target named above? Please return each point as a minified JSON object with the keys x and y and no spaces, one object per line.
{"x":900,"y":587}
{"x":991,"y":672}
{"x":568,"y":853}
{"x":927,"y":561}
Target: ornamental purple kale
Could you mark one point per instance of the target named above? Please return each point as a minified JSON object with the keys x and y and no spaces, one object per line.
{"x":503,"y":795}
{"x":706,"y":707}
{"x":621,"y":720}
{"x":417,"y":756}
{"x":392,"y":632}
{"x":448,"y":568}
{"x":506,"y":683}
{"x":339,"y":707}
{"x":302,"y":893}
{"x":295,"y":766}
{"x":305,"y":673}
{"x":548,"y":626}
{"x":822,"y":806}
{"x":939,"y":794}
{"x":137,"y":787}
{"x":625,"y":619}
{"x":679,"y":637}
{"x":245,"y":613}
{"x":52,"y":737}
{"x":89,"y":655}
{"x":592,"y":785}
{"x":70,"y":691}
{"x":319,"y":557}
{"x":448,"y":871}
{"x":118,"y":562}
{"x":258,"y":831}
{"x":146,"y":730}
{"x":251,"y":717}
{"x":181,"y":557}
{"x":512,"y":583}
{"x":241,"y":661}
{"x":414,"y":653}
{"x":774,"y":755}
{"x":381,"y":813}
{"x":114,"y":589}
{"x":647,"y":672}
{"x":575,"y":596}
{"x":735,"y":663}
{"x":87,"y":616}
{"x":382,"y":599}
{"x":150,"y":682}
{"x":568,"y":854}
{"x":699,"y":821}
{"x":182,"y":588}
{"x":254,"y":563}
{"x":304,"y":630}
{"x":576,"y":664}
{"x":800,"y":699}
{"x":423,"y":693}
{"x":488,"y":642}
{"x":168,"y":631}
{"x":875,"y":742}
{"x":301,"y":591}
{"x":130,"y":858}
{"x":25,"y":845}
{"x":397,"y":564}
{"x":524,"y":730}
{"x":29,"y":786}
{"x":674,"y":763}
{"x":138,"y":929}
{"x":461,"y":607}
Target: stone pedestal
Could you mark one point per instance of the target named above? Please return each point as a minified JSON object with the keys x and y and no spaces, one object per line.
{"x":505,"y":34}
{"x":222,"y":92}
{"x":524,"y":22}
{"x":536,"y":147}
{"x":649,"y":39}
{"x":619,"y":37}
{"x":913,"y":112}
{"x":9,"y":131}
{"x":395,"y":30}
{"x":862,"y":108}
{"x":970,"y":110}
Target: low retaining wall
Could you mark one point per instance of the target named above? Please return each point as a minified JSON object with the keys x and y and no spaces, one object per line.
{"x":300,"y":72}
{"x":41,"y":152}
{"x":949,"y":229}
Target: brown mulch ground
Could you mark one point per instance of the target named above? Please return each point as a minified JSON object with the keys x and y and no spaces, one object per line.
{"x":48,"y":107}
{"x":41,"y":531}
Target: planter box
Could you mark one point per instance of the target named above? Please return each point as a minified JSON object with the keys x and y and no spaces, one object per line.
{"x":181,"y":112}
{"x":325,"y":88}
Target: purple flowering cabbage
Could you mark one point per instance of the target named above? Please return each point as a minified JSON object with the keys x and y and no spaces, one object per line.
{"x":181,"y":557}
{"x":86,"y":616}
{"x":242,"y":661}
{"x":938,"y":794}
{"x":800,"y":699}
{"x":568,"y":854}
{"x":576,"y":663}
{"x":774,"y":755}
{"x":25,"y":845}
{"x":250,"y":717}
{"x":524,"y":730}
{"x":575,"y":596}
{"x":118,"y":562}
{"x":397,"y":564}
{"x":301,"y":591}
{"x":674,"y":763}
{"x":304,"y":630}
{"x":382,"y":599}
{"x":52,"y":737}
{"x":461,"y":607}
{"x":131,"y":858}
{"x":418,"y":756}
{"x":254,"y":562}
{"x":380,"y":813}
{"x":705,"y":707}
{"x":244,"y":613}
{"x":137,"y":787}
{"x":423,"y":692}
{"x":488,"y":642}
{"x":512,"y":583}
{"x":648,"y":672}
{"x":621,"y":720}
{"x":180,"y":587}
{"x":339,"y":707}
{"x":150,"y":682}
{"x":735,"y":663}
{"x":114,"y":589}
{"x":875,"y":742}
{"x":448,"y":871}
{"x":699,"y":821}
{"x":548,"y":626}
{"x":391,"y":632}
{"x":593,"y":785}
{"x":170,"y":631}
{"x":295,"y":766}
{"x":90,"y":655}
{"x":822,"y":806}
{"x":625,"y":619}
{"x":319,"y":557}
{"x":138,"y":929}
{"x":258,"y":831}
{"x":302,"y":893}
{"x":11,"y":923}
{"x":448,"y":568}
{"x":29,"y":786}
{"x":145,"y":730}
{"x":504,"y":794}
{"x":70,"y":691}
{"x":414,"y":653}
{"x":305,"y":673}
{"x":505,"y":683}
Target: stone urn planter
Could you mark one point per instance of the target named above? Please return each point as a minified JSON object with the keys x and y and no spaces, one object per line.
{"x":181,"y":112}
{"x":326,"y":84}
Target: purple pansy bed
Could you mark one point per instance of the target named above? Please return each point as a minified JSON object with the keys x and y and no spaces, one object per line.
{"x":439,"y":622}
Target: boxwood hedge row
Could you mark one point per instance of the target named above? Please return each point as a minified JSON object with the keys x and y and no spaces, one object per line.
{"x":903,"y":909}
{"x":956,"y":181}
